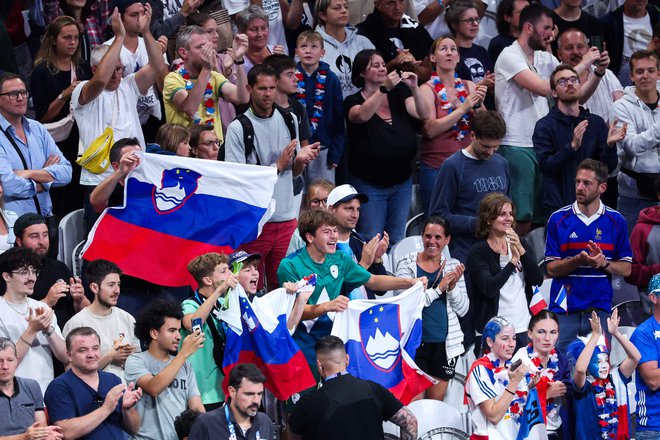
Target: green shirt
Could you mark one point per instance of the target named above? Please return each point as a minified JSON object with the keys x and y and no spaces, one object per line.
{"x":209,"y":376}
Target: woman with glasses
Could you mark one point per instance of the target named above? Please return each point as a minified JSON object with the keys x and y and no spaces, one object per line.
{"x":315,"y":198}
{"x":59,"y":68}
{"x":7,"y":219}
{"x":454,"y":101}
{"x":204,"y":143}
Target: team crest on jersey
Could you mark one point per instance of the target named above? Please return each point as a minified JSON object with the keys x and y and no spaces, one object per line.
{"x":599,"y":234}
{"x":176,"y":186}
{"x":380,"y":333}
{"x":334,"y":271}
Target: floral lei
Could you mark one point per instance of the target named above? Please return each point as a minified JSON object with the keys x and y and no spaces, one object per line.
{"x":462,"y":127}
{"x":606,"y":406}
{"x":501,"y":374}
{"x":548,"y":373}
{"x":207,"y":100}
{"x":319,"y":92}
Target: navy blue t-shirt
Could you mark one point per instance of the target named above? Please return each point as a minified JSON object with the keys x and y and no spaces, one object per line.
{"x":434,"y":317}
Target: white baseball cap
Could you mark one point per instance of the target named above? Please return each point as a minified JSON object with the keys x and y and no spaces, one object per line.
{"x":344,"y":193}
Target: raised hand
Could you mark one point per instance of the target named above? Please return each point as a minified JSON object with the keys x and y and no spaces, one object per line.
{"x":131,"y":396}
{"x":128,"y":162}
{"x":192,"y":343}
{"x":596,"y":328}
{"x":613,"y":323}
{"x":383,"y":244}
{"x":410,"y":79}
{"x":117,"y":25}
{"x":240,"y":45}
{"x":392,"y":79}
{"x":76,"y":289}
{"x":369,"y":251}
{"x":145,"y":19}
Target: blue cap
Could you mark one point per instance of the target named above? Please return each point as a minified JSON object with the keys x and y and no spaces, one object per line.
{"x":240,"y":256}
{"x":654,"y":285}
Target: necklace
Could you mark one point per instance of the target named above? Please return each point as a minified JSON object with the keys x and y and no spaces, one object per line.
{"x":319,"y":92}
{"x":25,"y":313}
{"x":462,"y":127}
{"x":606,"y":407}
{"x":547,"y":374}
{"x":207,"y":99}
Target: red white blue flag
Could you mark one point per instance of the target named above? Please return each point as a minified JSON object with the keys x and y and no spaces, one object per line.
{"x":381,"y":338}
{"x":177,"y":208}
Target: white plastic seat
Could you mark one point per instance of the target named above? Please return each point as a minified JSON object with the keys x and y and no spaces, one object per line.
{"x":71,"y":232}
{"x":433,"y":414}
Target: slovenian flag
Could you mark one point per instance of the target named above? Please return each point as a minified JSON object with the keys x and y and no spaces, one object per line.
{"x":561,"y":300}
{"x":381,"y":338}
{"x":538,"y":303}
{"x":257,"y":333}
{"x":177,"y":208}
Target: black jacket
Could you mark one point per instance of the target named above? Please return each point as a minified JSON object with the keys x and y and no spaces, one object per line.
{"x":356,"y":242}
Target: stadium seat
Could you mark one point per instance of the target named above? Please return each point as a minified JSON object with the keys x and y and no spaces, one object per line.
{"x":77,"y":259}
{"x":536,"y":241}
{"x":437,"y":420}
{"x":71,"y":232}
{"x":414,"y":225}
{"x":403,"y":248}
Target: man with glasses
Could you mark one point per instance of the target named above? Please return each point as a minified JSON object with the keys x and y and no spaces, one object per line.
{"x":30,"y":161}
{"x":568,"y":135}
{"x":110,"y":100}
{"x":87,"y":403}
{"x":30,"y":324}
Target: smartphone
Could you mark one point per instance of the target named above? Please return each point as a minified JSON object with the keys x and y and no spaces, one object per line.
{"x":597,"y":40}
{"x":516,"y":364}
{"x":197,"y":325}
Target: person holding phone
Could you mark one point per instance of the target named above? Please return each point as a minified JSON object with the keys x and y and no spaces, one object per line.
{"x":494,"y":386}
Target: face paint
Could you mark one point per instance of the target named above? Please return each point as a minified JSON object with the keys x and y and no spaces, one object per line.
{"x":599,"y":366}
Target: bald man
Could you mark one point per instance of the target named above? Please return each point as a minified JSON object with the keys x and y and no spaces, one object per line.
{"x":346,"y":407}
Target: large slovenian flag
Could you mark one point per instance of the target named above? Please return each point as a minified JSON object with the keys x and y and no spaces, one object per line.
{"x":257,"y":333}
{"x":381,"y":338}
{"x":177,"y":208}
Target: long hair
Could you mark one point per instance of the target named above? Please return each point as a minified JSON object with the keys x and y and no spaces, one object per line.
{"x":48,"y":52}
{"x":489,"y":210}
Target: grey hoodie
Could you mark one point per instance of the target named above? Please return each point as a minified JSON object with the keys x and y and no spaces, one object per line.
{"x":640,"y":150}
{"x":340,"y":56}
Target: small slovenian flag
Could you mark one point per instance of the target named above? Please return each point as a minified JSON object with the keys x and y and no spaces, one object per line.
{"x":562,"y":301}
{"x":538,"y":302}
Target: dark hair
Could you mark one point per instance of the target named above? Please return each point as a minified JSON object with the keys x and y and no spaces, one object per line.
{"x":558,"y":69}
{"x":245,"y":371}
{"x":505,"y":7}
{"x":310,"y":221}
{"x":184,"y":422}
{"x":657,"y":183}
{"x":540,"y":316}
{"x":280,"y":63}
{"x":328,"y":344}
{"x":360,"y":65}
{"x":115,"y":150}
{"x":597,"y":167}
{"x":196,"y":132}
{"x":566,"y":31}
{"x":17,"y":258}
{"x":198,"y":19}
{"x":47,"y":52}
{"x":260,"y":70}
{"x":97,"y":270}
{"x":532,"y":14}
{"x":489,"y":210}
{"x":437,"y":220}
{"x":639,"y":55}
{"x":453,"y":13}
{"x":488,"y":125}
{"x":7,"y":76}
{"x":84,"y":14}
{"x":153,"y":317}
{"x":80,"y":331}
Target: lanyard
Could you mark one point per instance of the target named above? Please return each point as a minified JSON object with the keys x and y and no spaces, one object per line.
{"x":230,"y":426}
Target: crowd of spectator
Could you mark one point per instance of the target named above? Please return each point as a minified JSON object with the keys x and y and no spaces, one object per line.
{"x":490,"y":119}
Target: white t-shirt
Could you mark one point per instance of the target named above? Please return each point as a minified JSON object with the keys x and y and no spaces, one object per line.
{"x":38,"y":361}
{"x":480,"y":388}
{"x":109,"y":328}
{"x":519,"y":107}
{"x":148,"y":104}
{"x":275,"y":23}
{"x":600,"y":102}
{"x":513,"y":302}
{"x":438,"y":26}
{"x":637,"y":33}
{"x":96,"y":115}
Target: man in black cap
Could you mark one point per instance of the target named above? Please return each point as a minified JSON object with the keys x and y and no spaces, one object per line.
{"x":55,"y":284}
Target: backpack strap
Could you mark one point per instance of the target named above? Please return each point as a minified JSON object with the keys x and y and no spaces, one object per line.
{"x":248,"y":137}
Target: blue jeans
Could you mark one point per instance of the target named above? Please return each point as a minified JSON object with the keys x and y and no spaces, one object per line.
{"x":387,"y":209}
{"x":629,"y":208}
{"x":577,"y":324}
{"x":427,"y":176}
{"x":647,"y":435}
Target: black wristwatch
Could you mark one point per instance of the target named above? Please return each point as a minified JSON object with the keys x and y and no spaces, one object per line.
{"x":383,"y":90}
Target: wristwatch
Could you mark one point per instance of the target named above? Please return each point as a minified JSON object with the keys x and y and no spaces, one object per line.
{"x":61,"y":97}
{"x":238,"y":63}
{"x":383,"y":90}
{"x":607,"y":264}
{"x":49,"y":332}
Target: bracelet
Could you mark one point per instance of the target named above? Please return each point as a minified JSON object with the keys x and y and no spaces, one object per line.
{"x":239,"y":63}
{"x":509,"y":391}
{"x":598,"y":74}
{"x":29,"y":344}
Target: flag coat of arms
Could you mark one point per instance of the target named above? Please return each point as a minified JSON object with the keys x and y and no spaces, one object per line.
{"x":257,"y":333}
{"x":177,"y":208}
{"x":381,"y":338}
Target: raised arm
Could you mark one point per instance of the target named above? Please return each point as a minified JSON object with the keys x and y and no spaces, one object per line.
{"x":156,"y":69}
{"x":360,"y":114}
{"x":416,"y":106}
{"x":238,"y":94}
{"x":580,"y":374}
{"x":627,"y":367}
{"x":188,"y":101}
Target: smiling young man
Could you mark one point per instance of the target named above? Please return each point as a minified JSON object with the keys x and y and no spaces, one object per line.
{"x":164,"y":374}
{"x":114,"y":325}
{"x":88,"y":403}
{"x":587,"y":244}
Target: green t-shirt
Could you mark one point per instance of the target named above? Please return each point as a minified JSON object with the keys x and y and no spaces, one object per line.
{"x":209,"y":376}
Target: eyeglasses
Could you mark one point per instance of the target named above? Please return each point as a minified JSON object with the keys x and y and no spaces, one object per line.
{"x":472,"y":20}
{"x":13,"y":95}
{"x":120,"y":70}
{"x":318,"y":202}
{"x":564,"y":81}
{"x":26,"y":272}
{"x":211,"y":144}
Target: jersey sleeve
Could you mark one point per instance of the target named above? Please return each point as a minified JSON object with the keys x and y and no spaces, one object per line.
{"x":645,"y":343}
{"x":173,"y":83}
{"x":481,"y":387}
{"x":355,"y":274}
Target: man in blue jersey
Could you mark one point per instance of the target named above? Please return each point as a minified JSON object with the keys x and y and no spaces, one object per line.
{"x":587,"y":243}
{"x":647,"y":340}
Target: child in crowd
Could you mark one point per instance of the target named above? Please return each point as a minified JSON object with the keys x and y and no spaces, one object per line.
{"x":600,"y":396}
{"x":319,"y":91}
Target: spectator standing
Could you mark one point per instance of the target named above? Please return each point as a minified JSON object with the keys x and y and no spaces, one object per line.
{"x":113,"y":325}
{"x":639,"y":151}
{"x":253,"y":22}
{"x":380,"y":126}
{"x":164,"y":374}
{"x":91,"y":18}
{"x":508,"y":17}
{"x":168,"y":16}
{"x":431,"y":15}
{"x":569,"y":14}
{"x":586,"y":244}
{"x":280,"y":14}
{"x":58,"y":69}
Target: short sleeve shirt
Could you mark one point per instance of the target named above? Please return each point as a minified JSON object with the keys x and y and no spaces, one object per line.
{"x":208,"y":111}
{"x":647,"y":340}
{"x":18,"y":410}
